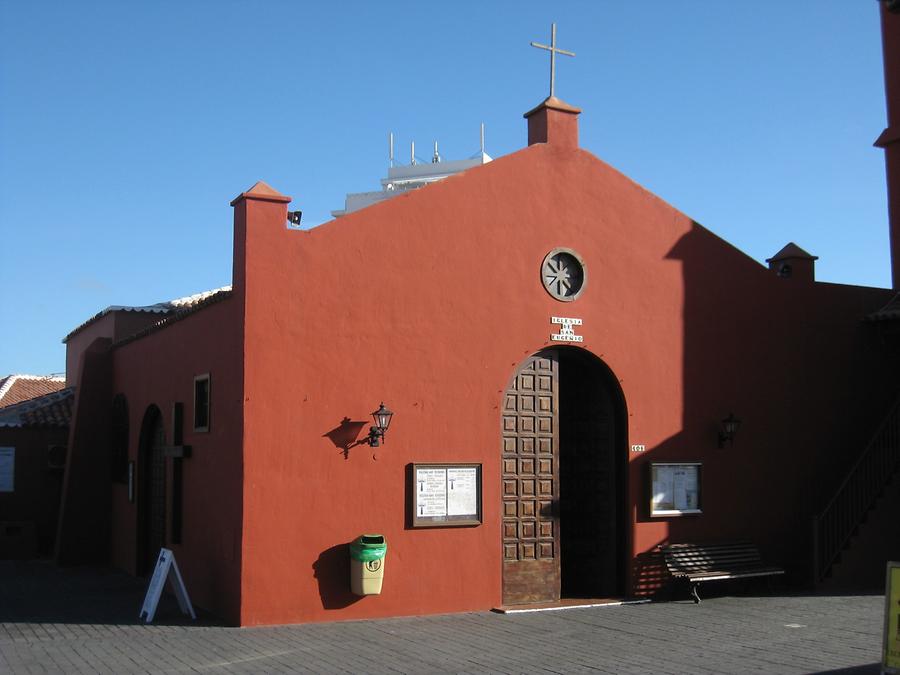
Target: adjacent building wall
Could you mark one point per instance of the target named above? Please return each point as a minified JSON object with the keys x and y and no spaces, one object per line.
{"x":28,"y":514}
{"x":158,"y":370}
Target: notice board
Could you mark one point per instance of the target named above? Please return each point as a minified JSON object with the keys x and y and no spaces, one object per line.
{"x":445,"y":495}
{"x":7,"y":469}
{"x":674,"y":488}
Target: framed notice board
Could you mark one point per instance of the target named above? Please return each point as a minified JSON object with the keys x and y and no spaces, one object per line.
{"x":890,"y":662}
{"x":445,"y":495}
{"x":674,"y":488}
{"x":7,"y":469}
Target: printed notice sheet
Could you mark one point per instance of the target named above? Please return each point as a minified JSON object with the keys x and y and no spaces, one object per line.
{"x":462,"y":491}
{"x":675,"y":489}
{"x":7,"y":469}
{"x":663,"y":496}
{"x":431,"y":492}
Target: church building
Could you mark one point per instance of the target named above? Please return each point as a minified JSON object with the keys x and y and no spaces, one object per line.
{"x":577,"y":373}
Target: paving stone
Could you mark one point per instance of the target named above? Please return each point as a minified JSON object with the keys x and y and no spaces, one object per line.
{"x":84,"y":621}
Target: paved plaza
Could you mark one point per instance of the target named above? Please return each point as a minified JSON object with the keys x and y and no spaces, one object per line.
{"x":83,"y":620}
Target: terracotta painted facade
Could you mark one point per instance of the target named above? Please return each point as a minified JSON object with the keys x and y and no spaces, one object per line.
{"x":431,"y":302}
{"x":890,"y":138}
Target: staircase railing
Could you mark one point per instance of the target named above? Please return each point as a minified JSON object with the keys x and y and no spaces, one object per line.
{"x":834,"y":526}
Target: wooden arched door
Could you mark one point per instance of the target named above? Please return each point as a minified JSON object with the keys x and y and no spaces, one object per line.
{"x":530,"y":489}
{"x":564,"y":439}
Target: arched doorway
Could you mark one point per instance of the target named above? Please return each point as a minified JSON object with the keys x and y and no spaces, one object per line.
{"x":564,"y":431}
{"x":151,"y":494}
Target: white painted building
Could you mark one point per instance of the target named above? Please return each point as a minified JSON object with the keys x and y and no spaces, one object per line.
{"x":401,"y":179}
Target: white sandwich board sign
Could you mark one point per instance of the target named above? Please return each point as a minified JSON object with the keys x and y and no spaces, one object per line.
{"x":166,"y":569}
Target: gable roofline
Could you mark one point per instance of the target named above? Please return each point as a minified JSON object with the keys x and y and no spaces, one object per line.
{"x":395,"y":209}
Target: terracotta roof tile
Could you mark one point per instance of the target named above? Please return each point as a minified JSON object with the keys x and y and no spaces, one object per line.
{"x":50,"y":410}
{"x":261,"y":190}
{"x":17,"y":388}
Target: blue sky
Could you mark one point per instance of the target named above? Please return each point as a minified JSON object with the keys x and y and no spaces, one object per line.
{"x":127,"y":127}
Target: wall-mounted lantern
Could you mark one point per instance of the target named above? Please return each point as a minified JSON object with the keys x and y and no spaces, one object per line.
{"x":730,"y":426}
{"x":294,"y":218}
{"x":382,"y":418}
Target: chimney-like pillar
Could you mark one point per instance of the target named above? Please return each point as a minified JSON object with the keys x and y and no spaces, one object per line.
{"x":258,"y":207}
{"x":890,"y":138}
{"x":553,"y":121}
{"x":792,"y":262}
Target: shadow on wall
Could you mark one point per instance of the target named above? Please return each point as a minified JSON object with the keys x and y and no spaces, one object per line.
{"x":332,"y":571}
{"x":345,"y":435}
{"x":778,"y":353}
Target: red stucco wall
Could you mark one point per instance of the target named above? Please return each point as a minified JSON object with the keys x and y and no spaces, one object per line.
{"x":890,"y":139}
{"x":431,"y":300}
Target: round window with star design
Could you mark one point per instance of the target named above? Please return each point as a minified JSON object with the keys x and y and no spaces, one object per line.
{"x":563,"y":274}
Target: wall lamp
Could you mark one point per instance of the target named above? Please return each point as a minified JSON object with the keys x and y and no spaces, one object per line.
{"x":294,"y":217}
{"x":382,"y":418}
{"x":730,"y":426}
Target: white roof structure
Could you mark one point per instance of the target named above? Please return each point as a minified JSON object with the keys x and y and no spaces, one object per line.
{"x":413,"y":176}
{"x":167,"y":307}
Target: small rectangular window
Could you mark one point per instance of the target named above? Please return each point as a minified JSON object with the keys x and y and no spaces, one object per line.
{"x":201,"y":403}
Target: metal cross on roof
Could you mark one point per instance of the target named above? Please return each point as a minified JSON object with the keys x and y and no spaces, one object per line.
{"x":554,"y":50}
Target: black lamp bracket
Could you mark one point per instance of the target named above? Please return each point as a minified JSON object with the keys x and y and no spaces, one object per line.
{"x":375,"y":436}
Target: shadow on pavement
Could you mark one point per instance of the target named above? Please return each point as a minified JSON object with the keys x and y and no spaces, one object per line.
{"x":38,"y":591}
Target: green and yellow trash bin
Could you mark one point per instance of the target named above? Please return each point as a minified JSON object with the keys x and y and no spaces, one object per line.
{"x":367,"y":564}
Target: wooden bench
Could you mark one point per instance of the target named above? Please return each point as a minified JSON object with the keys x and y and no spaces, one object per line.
{"x":714,"y":562}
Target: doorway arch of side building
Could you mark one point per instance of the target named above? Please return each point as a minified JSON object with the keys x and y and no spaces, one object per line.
{"x":151,"y":491}
{"x":564,"y":431}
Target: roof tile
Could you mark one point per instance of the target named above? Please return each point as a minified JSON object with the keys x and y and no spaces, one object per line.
{"x":17,"y":388}
{"x":50,"y":410}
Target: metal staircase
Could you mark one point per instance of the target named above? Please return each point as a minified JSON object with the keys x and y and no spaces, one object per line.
{"x":836,"y":524}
